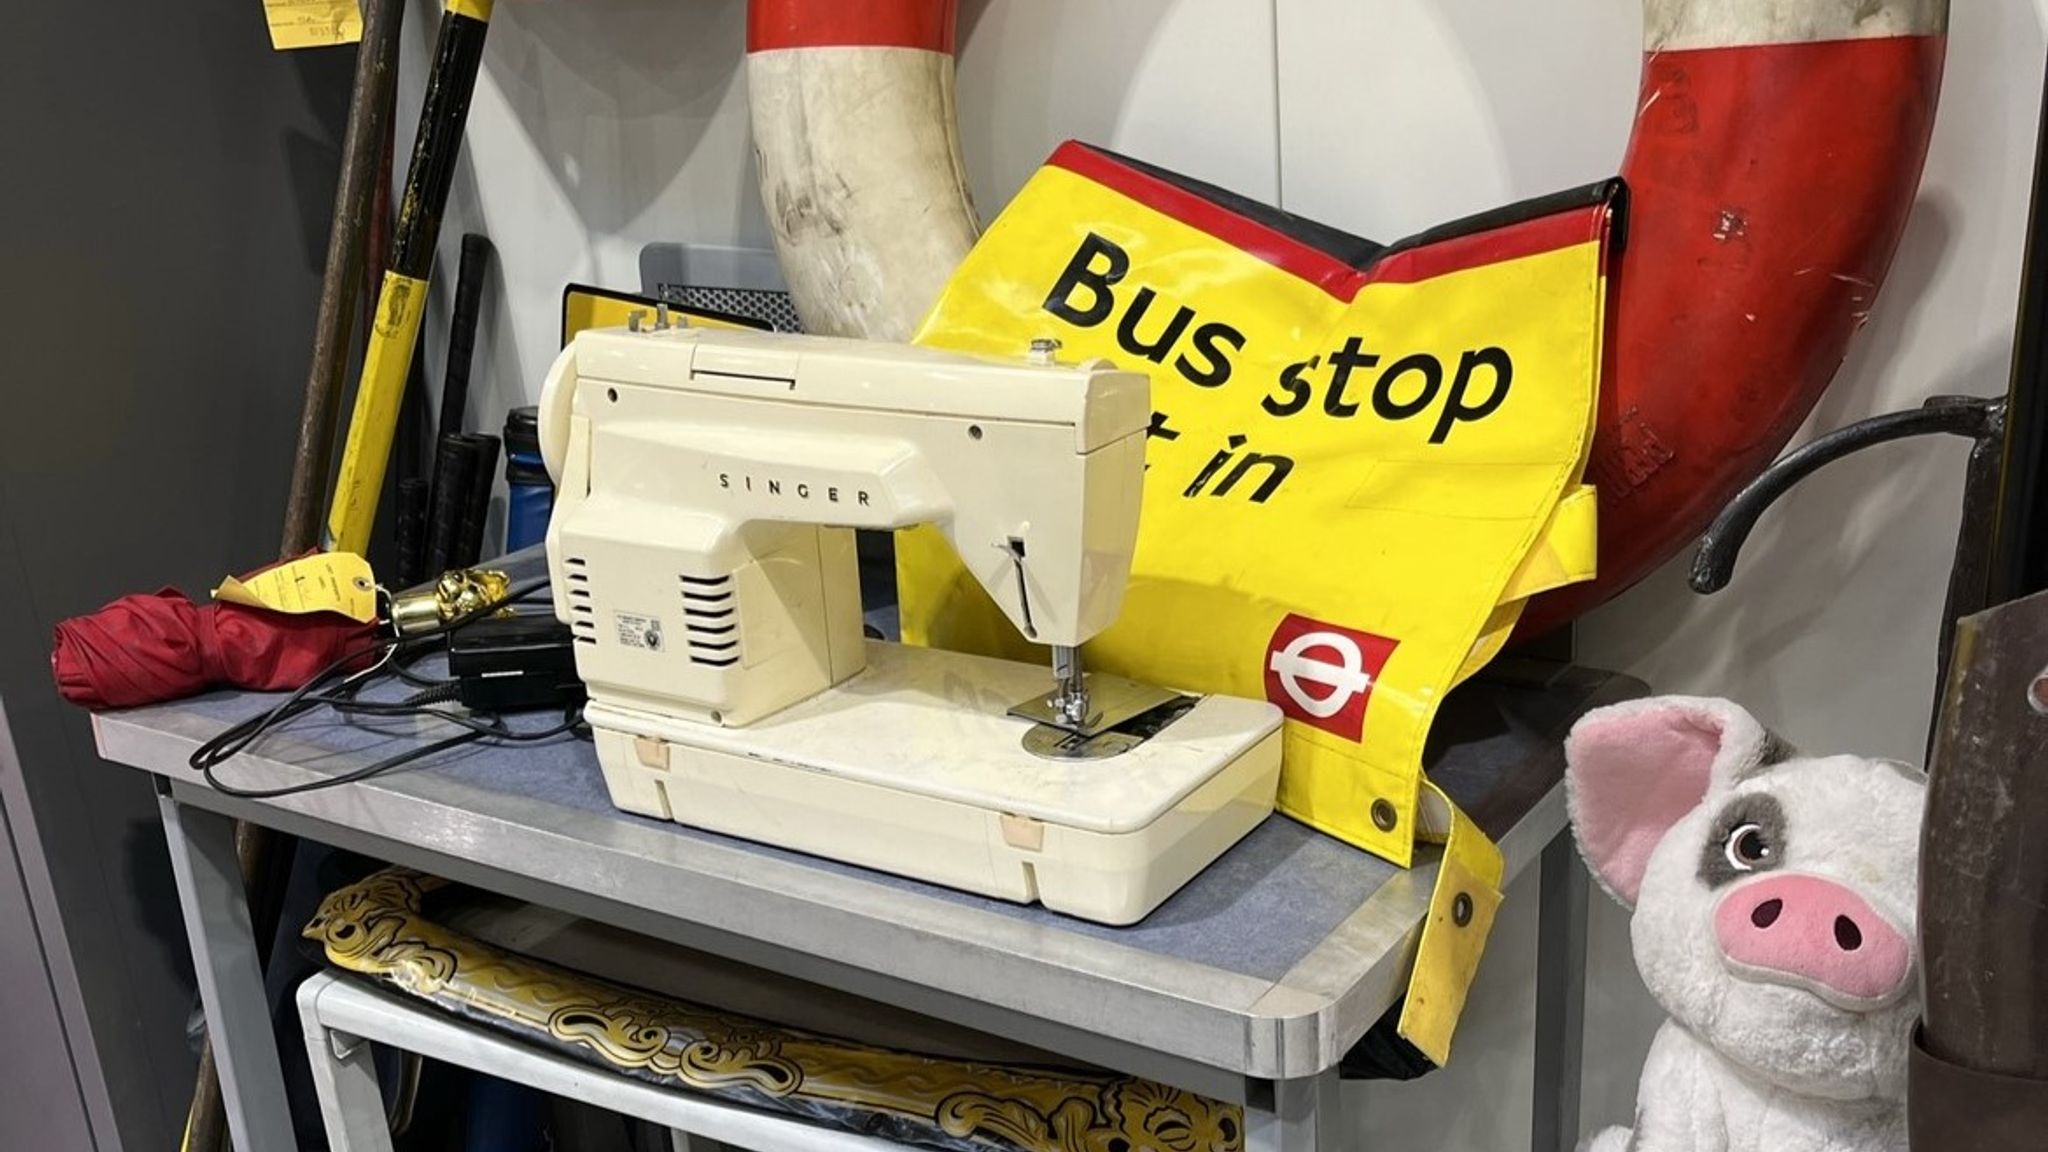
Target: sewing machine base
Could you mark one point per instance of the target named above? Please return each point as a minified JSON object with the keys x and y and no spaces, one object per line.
{"x":914,"y":767}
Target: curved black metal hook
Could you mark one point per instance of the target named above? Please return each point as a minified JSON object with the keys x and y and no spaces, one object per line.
{"x":1713,"y":565}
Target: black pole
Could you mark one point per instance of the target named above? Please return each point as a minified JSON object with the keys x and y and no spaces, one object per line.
{"x":469,"y":293}
{"x":1979,"y":1071}
{"x":451,"y":82}
{"x":2019,"y":564}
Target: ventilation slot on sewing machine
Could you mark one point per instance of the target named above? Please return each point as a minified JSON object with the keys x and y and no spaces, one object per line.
{"x":710,"y":618}
{"x":582,"y":617}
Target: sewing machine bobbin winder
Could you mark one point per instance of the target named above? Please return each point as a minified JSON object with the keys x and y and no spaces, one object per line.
{"x":702,"y":552}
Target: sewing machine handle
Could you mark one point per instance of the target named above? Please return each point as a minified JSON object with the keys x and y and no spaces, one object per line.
{"x":557,"y":396}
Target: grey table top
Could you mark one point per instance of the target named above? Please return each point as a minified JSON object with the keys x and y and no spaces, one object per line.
{"x":1270,"y":964}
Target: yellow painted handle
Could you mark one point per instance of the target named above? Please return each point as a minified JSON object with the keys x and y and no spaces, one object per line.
{"x":474,"y":9}
{"x":400,"y":304}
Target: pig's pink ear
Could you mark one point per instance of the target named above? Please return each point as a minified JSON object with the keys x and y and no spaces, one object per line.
{"x":1633,"y":770}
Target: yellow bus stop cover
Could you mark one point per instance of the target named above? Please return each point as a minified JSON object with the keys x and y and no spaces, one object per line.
{"x":1362,"y":460}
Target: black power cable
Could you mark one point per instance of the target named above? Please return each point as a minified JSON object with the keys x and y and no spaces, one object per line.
{"x":392,"y":657}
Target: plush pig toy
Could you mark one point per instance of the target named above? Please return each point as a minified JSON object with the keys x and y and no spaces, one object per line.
{"x":1774,"y":899}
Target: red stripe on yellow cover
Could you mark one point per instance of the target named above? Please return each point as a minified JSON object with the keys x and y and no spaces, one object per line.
{"x":1274,"y":247}
{"x":1523,"y":238}
{"x":1342,"y":281}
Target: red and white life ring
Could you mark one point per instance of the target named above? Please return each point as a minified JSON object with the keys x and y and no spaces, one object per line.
{"x":1777,"y":149}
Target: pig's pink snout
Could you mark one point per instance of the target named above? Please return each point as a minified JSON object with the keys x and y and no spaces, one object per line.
{"x":1815,"y":934}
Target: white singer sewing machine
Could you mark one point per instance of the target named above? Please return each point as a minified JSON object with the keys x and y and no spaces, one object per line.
{"x":701,"y":550}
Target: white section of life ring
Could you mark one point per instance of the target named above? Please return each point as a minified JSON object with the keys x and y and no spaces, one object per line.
{"x":1677,"y":25}
{"x":863,"y":182}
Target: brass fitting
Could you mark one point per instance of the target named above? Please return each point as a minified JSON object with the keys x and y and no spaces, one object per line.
{"x":456,"y":593}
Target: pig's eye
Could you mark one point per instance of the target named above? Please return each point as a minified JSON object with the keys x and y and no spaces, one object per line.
{"x":1747,"y":849}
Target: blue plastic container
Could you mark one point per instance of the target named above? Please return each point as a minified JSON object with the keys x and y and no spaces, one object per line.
{"x":532,"y":494}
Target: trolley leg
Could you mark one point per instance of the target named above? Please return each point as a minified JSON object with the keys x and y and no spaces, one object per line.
{"x":1560,"y":996}
{"x":1301,"y":1115}
{"x":209,"y":879}
{"x":345,"y":1079}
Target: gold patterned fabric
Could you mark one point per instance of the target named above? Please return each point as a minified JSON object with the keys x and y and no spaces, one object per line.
{"x":380,"y":928}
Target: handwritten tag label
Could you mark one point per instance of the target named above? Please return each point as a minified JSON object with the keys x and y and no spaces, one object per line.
{"x":312,"y":23}
{"x":324,"y":582}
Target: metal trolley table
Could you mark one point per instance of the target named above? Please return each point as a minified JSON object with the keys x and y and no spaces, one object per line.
{"x":1249,"y":985}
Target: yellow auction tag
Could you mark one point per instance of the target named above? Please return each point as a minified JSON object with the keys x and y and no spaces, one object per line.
{"x":312,"y":23}
{"x":323,"y":582}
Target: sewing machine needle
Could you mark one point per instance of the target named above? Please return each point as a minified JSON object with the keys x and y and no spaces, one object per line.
{"x":1071,"y":697}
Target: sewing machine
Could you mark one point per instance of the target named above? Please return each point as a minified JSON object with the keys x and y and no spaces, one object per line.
{"x":702,"y":553}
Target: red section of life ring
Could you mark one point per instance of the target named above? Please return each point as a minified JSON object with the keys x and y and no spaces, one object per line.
{"x":1776,"y":153}
{"x":777,"y":24}
{"x":1768,"y":188}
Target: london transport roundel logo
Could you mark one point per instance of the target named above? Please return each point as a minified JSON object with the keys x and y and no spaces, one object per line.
{"x":1323,"y":674}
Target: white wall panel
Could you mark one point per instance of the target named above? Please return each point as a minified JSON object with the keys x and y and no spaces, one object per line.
{"x":1186,"y":84}
{"x":598,"y":128}
{"x":1401,"y":114}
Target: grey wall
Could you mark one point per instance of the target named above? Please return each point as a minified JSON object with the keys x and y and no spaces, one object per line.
{"x":164,"y":197}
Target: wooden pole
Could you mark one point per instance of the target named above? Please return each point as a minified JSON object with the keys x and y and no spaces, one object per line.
{"x":369,"y":117}
{"x":367,"y":135}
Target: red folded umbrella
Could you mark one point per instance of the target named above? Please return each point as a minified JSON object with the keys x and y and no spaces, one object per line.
{"x":147,"y":649}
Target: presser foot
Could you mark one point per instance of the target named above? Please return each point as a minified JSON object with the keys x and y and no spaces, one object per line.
{"x":1111,"y":700}
{"x":1121,"y":714}
{"x":1052,"y":742}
